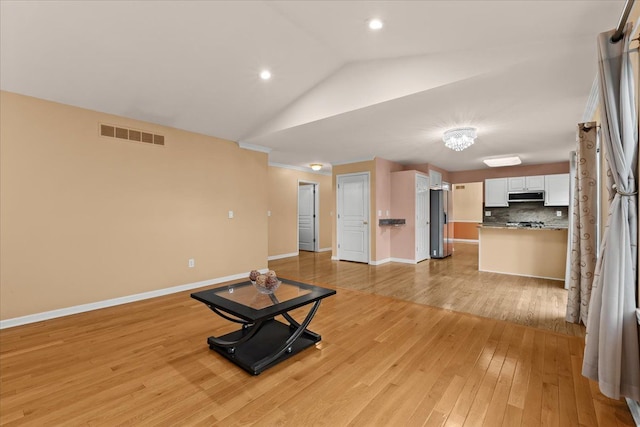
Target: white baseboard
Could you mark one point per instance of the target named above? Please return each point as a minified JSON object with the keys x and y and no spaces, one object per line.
{"x":466,"y":241}
{"x":274,"y":257}
{"x":400,"y":260}
{"x":325,"y":249}
{"x":634,"y":407}
{"x":334,"y":258}
{"x":39,"y":317}
{"x":523,"y":275}
{"x":404,"y":261}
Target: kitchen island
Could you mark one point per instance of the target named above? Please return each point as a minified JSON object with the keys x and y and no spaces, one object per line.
{"x":534,"y":252}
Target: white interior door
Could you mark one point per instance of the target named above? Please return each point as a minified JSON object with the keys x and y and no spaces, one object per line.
{"x":306,"y":217}
{"x":353,"y":217}
{"x":422,"y":218}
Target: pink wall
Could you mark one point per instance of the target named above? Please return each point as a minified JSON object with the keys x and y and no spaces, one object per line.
{"x":403,"y":200}
{"x":522,"y":170}
{"x":384,"y":168}
{"x":424,"y":168}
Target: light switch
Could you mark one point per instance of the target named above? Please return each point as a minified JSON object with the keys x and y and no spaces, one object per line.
{"x":379,"y":213}
{"x":487,"y":213}
{"x":558,"y":213}
{"x":387,"y":212}
{"x":268,"y":213}
{"x":230,"y":214}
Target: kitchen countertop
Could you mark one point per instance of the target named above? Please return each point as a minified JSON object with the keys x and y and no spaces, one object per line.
{"x":510,"y":227}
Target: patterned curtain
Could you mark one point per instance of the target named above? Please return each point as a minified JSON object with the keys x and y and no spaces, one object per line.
{"x":584,"y":225}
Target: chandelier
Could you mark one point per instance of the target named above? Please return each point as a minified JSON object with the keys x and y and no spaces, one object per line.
{"x":460,"y":138}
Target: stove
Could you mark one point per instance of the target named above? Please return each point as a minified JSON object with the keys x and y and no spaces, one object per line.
{"x":526,"y":224}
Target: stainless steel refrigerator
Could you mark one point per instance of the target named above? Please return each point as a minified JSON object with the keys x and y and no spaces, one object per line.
{"x":441,"y":232}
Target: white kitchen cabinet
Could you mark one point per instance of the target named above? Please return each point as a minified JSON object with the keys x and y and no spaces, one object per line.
{"x":527,"y":183}
{"x":495,"y":192}
{"x":556,"y":190}
{"x":435,"y":179}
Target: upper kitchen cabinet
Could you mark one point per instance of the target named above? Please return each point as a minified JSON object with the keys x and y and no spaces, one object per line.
{"x":527,"y":183}
{"x":556,"y":190}
{"x":435,"y":179}
{"x":495,"y":192}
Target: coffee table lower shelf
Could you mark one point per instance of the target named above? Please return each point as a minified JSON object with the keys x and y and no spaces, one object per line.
{"x":251,"y":355}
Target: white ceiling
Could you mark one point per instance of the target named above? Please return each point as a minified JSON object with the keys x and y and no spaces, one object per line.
{"x":519,"y":71}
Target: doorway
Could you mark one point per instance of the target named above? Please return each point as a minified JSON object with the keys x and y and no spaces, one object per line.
{"x":308,"y":216}
{"x":353,"y":217}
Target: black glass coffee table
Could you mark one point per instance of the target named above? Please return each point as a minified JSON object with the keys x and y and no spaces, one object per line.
{"x":262,"y":341}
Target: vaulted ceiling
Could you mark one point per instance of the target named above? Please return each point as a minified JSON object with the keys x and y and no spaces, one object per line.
{"x":519,"y":71}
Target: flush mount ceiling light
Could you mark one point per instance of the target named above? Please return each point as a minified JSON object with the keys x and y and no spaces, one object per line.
{"x":375,"y":24}
{"x":316,"y":166}
{"x":503,"y":161}
{"x":460,"y":138}
{"x":265,"y":74}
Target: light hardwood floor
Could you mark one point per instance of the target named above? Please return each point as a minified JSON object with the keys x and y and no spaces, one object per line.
{"x":453,"y":283}
{"x":383,"y":361}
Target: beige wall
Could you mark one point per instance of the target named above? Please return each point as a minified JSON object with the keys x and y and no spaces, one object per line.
{"x":84,"y":218}
{"x":467,"y":209}
{"x":283,"y":204}
{"x":467,"y":201}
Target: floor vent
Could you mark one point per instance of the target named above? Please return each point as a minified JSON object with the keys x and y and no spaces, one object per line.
{"x":131,"y":134}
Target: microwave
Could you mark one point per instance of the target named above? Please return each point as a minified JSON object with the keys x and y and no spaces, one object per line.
{"x":530,"y":196}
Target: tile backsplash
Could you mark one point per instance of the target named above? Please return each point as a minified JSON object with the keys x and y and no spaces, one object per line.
{"x":527,"y":211}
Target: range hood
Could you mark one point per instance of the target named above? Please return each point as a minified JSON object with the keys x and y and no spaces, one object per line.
{"x":529,"y":196}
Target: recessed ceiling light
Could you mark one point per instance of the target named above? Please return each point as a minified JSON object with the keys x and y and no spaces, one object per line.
{"x":503,"y":161}
{"x":375,"y":24}
{"x":265,"y":74}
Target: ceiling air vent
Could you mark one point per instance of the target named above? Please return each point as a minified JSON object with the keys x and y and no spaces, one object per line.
{"x":131,"y":134}
{"x":459,"y":187}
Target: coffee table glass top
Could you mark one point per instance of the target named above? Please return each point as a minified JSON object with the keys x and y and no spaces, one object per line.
{"x":244,"y":301}
{"x":249,"y":295}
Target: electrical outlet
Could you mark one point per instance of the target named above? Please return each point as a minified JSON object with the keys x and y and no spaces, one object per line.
{"x":558,"y":213}
{"x":268,"y":213}
{"x":379,"y":213}
{"x":192,"y":262}
{"x":487,"y":213}
{"x":387,"y":212}
{"x":230,"y":214}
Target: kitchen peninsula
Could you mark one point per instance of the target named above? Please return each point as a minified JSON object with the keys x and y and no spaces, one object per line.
{"x":524,"y":251}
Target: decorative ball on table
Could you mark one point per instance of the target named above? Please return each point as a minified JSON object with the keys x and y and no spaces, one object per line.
{"x":267,"y":284}
{"x":272,"y":283}
{"x":254,"y":275}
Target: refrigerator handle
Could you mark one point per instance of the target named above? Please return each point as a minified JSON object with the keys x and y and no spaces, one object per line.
{"x":445,"y":218}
